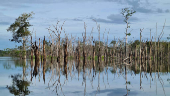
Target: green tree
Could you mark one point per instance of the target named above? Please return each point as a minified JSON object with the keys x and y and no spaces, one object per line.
{"x":127,"y":13}
{"x":101,"y":43}
{"x":135,"y":43}
{"x":20,"y":29}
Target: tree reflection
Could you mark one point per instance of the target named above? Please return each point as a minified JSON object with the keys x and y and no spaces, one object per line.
{"x":19,"y":86}
{"x":63,"y":73}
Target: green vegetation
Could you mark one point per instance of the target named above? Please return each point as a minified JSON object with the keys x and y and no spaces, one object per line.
{"x":4,"y":53}
{"x":20,"y":30}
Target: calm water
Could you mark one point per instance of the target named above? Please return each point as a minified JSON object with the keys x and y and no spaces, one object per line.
{"x":18,"y":78}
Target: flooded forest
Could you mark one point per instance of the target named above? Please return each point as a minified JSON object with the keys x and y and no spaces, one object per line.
{"x":69,"y":66}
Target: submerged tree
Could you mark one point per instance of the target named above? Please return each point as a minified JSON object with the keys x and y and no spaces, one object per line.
{"x":20,"y":30}
{"x":127,"y":13}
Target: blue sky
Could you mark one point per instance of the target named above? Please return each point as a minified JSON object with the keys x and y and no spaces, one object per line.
{"x":76,"y":12}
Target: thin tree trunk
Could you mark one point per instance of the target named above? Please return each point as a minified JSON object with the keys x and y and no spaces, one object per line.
{"x":65,"y":58}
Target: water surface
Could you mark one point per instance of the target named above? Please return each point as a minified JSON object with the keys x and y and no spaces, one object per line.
{"x":19,"y":77}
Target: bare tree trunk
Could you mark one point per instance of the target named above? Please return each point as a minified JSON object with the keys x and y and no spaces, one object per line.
{"x":78,"y":51}
{"x":136,"y":58}
{"x":44,"y":54}
{"x":51,"y":49}
{"x":31,"y":49}
{"x":146,"y":58}
{"x":24,"y":68}
{"x":126,"y":41}
{"x":150,"y":66}
{"x":65,"y":58}
{"x":158,"y":56}
{"x":24,"y":51}
{"x":140,"y":49}
{"x":59,"y":49}
{"x":44,"y":67}
{"x":140,"y":59}
{"x":36,"y":60}
{"x":168,"y":56}
{"x":93,"y":56}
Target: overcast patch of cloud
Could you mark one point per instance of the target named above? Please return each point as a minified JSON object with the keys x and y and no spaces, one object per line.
{"x":137,"y":6}
{"x":5,"y":20}
{"x":167,"y":27}
{"x":28,"y":1}
{"x":167,"y":11}
{"x":162,"y":11}
{"x":159,"y":10}
{"x":143,"y":10}
{"x":115,"y":19}
{"x":14,"y":5}
{"x":76,"y":19}
{"x":43,"y":1}
{"x":4,"y":23}
{"x":24,"y":3}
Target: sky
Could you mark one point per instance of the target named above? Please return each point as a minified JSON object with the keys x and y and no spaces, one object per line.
{"x":74,"y":13}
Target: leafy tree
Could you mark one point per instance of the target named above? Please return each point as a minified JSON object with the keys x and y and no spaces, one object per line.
{"x":127,"y":13}
{"x":97,"y":43}
{"x":135,"y":43}
{"x":20,"y":30}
